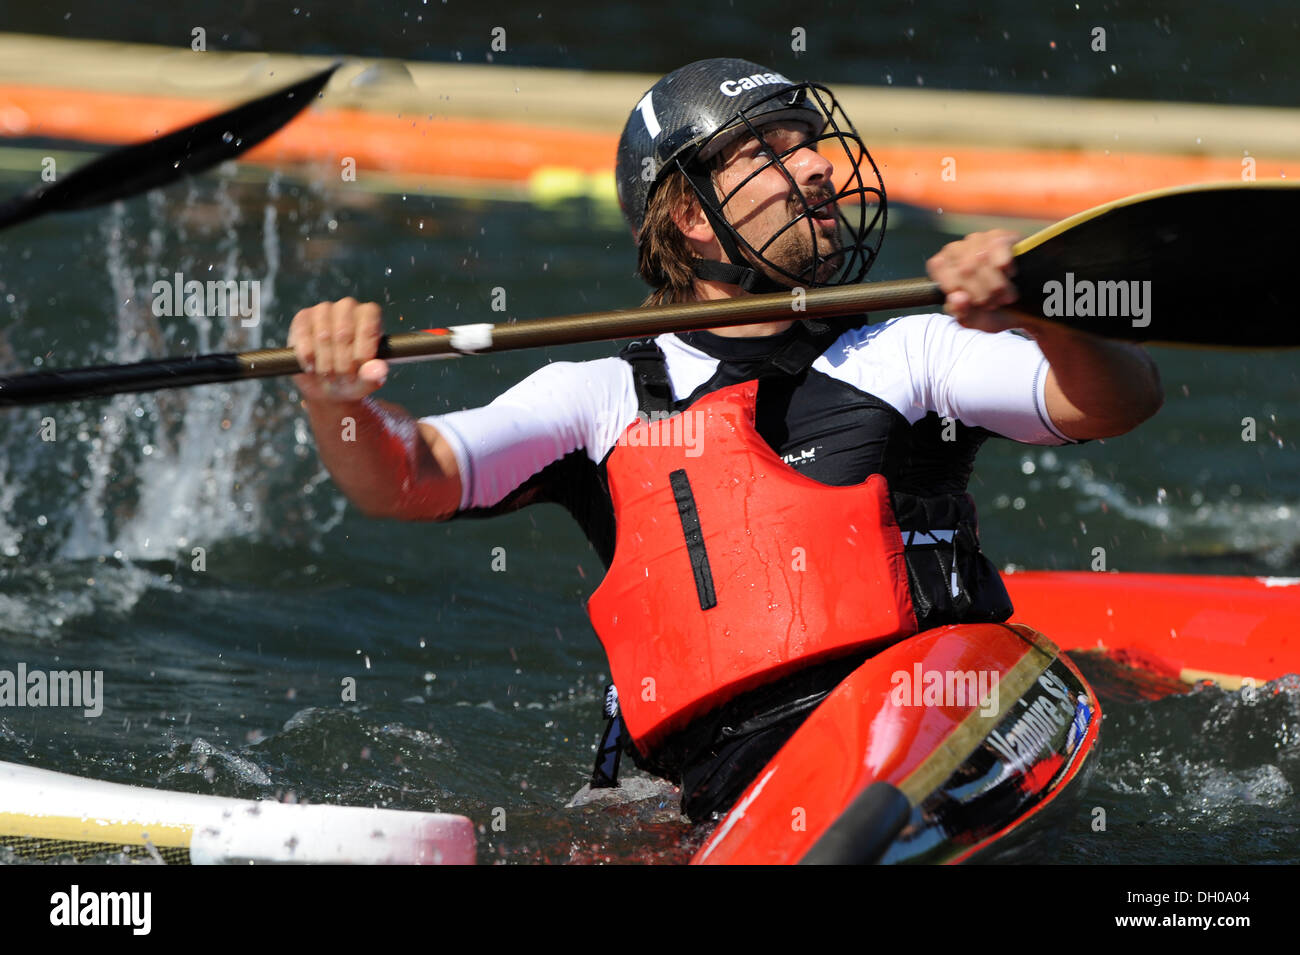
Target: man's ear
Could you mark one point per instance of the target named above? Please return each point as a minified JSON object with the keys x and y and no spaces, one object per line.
{"x":695,"y":225}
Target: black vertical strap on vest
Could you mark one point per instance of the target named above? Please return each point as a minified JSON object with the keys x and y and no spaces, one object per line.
{"x":655,"y":394}
{"x":690,"y":517}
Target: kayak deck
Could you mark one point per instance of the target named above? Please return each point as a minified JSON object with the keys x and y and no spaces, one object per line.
{"x":894,"y":766}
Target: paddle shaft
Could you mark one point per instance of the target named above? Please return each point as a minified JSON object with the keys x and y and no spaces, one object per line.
{"x":76,"y":383}
{"x":1135,"y":269}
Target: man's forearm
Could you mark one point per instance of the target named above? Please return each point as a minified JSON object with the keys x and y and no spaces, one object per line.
{"x":1110,"y":387}
{"x":1096,"y":389}
{"x":377,"y":456}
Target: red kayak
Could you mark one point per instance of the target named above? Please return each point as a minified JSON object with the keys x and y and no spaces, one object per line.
{"x":1232,"y":630}
{"x":883,"y":772}
{"x":933,"y":750}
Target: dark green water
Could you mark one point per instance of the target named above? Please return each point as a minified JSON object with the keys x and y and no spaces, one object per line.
{"x":478,"y":688}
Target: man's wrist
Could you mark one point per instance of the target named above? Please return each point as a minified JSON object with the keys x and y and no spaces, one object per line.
{"x":331,"y":406}
{"x":1050,"y":333}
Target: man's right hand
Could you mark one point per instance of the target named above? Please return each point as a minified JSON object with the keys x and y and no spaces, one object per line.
{"x":336,"y":343}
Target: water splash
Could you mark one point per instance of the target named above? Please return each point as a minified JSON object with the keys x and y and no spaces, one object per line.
{"x":146,"y":478}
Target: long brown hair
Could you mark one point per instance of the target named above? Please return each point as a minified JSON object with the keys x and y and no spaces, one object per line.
{"x":664,"y":256}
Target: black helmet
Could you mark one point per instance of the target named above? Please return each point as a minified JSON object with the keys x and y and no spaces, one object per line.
{"x":690,"y":115}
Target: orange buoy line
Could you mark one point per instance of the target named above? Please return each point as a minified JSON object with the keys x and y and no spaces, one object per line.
{"x":1047,"y":184}
{"x":508,"y":131}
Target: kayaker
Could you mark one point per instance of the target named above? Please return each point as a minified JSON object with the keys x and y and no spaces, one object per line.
{"x":727,"y":174}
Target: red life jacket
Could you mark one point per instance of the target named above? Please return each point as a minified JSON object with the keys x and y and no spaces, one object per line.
{"x":731,"y":568}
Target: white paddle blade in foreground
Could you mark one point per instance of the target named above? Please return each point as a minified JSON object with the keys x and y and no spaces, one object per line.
{"x":44,"y":814}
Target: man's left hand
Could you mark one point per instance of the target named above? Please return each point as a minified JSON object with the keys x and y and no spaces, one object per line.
{"x":975,"y":275}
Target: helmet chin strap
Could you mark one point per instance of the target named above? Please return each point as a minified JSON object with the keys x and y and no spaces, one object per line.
{"x":751,"y":280}
{"x":748,"y":278}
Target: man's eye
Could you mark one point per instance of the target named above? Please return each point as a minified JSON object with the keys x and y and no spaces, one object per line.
{"x":779,"y":145}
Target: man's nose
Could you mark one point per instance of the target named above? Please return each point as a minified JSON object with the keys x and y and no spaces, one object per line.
{"x":809,"y":166}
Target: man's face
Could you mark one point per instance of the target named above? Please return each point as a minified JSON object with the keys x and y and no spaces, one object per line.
{"x":766,"y":203}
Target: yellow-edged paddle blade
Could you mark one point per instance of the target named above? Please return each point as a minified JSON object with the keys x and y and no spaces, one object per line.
{"x":1192,"y":265}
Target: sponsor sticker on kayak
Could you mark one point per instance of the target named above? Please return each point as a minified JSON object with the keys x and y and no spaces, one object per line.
{"x":1041,"y":720}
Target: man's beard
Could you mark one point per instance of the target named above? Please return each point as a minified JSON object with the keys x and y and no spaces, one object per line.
{"x":805,"y":250}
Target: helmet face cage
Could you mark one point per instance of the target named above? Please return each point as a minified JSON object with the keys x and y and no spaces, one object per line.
{"x":859,"y":202}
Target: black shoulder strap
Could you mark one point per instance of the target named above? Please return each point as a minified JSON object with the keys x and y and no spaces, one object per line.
{"x":812,"y":337}
{"x":654,"y":392}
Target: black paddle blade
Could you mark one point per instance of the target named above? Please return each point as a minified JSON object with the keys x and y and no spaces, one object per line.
{"x":1195,"y":265}
{"x":148,"y":165}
